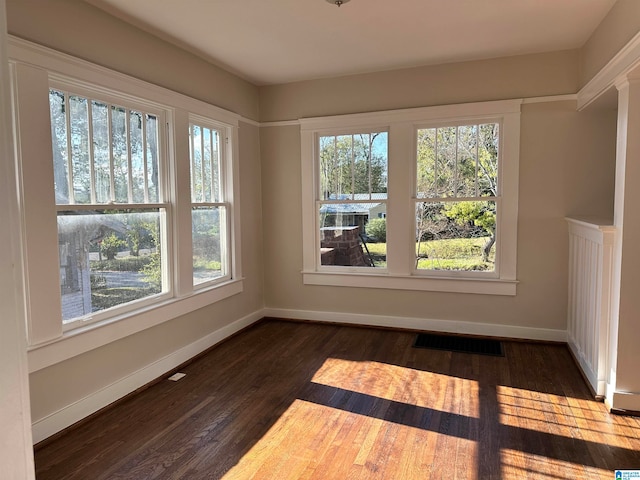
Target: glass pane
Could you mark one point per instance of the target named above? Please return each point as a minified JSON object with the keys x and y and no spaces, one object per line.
{"x":208,"y":234}
{"x":353,"y":234}
{"x":79,"y":119}
{"x":457,"y":161}
{"x":100,"y":120}
{"x":215,"y":166}
{"x":196,"y":164}
{"x":446,"y":139}
{"x":206,"y":165}
{"x":120,"y":155}
{"x":108,"y":259}
{"x":152,"y":159}
{"x":57,"y":109}
{"x":465,"y":181}
{"x":488,"y":160}
{"x":137,"y":157}
{"x":456,"y":235}
{"x":354,"y":167}
{"x":426,"y":166}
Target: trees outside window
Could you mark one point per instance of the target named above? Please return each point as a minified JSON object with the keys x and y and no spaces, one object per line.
{"x":439,"y":184}
{"x":109,"y":200}
{"x":457,"y":197}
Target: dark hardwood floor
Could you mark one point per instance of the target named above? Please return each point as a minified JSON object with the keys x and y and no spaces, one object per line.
{"x":288,"y":400}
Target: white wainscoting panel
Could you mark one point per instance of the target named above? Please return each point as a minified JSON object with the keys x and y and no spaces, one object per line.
{"x":590,"y":262}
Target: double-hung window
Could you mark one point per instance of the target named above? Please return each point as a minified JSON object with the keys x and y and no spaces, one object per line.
{"x":419,"y":199}
{"x":129,"y":202}
{"x":109,"y":181}
{"x":209,"y":208}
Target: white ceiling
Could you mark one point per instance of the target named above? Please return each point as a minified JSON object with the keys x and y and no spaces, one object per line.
{"x":279,"y":41}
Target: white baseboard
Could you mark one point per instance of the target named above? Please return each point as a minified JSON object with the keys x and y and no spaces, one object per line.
{"x":426,"y":324}
{"x":63,"y":418}
{"x":625,"y":401}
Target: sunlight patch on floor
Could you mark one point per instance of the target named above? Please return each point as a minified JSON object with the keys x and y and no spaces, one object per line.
{"x":399,"y":384}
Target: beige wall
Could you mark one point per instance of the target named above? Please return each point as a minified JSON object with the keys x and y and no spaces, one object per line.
{"x":497,"y":79}
{"x":107,"y":41}
{"x":64,"y":383}
{"x":567,"y":164}
{"x":566,"y":167}
{"x":81,"y":30}
{"x":620,"y":25}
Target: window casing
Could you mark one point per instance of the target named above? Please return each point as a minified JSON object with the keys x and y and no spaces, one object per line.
{"x":108,"y":185}
{"x":209,"y":208}
{"x":109,"y":182}
{"x":483,"y":202}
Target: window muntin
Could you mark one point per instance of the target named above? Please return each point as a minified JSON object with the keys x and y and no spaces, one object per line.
{"x":457,"y":198}
{"x":401,"y":270}
{"x":352,"y":191}
{"x":107,"y":155}
{"x":209,"y":210}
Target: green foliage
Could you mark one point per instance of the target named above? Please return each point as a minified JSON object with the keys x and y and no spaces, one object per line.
{"x":153,"y":271}
{"x":454,"y":254}
{"x":377,"y":228}
{"x":458,"y":264}
{"x":481,"y":214}
{"x":97,"y":281}
{"x":204,"y":264}
{"x":121,"y":264}
{"x":111,"y":245}
{"x":139,"y":236}
{"x":452,"y":248}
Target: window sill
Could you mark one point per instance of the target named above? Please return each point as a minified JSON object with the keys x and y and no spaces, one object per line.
{"x":85,"y":338}
{"x":486,"y":286}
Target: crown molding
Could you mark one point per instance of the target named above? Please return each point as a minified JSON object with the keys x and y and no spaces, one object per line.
{"x":615,"y":71}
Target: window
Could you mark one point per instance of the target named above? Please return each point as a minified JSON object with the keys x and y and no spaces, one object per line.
{"x":420,"y":199}
{"x":116,"y":237}
{"x":457,"y":197}
{"x":112,"y":216}
{"x":209,"y":211}
{"x":353,"y":183}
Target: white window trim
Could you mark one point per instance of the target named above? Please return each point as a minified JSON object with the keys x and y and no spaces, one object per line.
{"x":402,"y":125}
{"x":227,"y":186}
{"x":41,"y":67}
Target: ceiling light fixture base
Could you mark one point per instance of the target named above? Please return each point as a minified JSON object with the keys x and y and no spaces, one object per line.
{"x":338,"y":2}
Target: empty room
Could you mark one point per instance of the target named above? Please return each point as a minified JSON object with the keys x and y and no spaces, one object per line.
{"x":320,"y":239}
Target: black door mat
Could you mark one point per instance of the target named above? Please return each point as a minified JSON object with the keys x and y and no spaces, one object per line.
{"x":454,"y":343}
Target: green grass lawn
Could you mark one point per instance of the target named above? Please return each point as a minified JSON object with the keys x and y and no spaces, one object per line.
{"x":452,"y":254}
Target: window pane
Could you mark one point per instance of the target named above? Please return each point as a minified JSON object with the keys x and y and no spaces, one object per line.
{"x":205,"y":165}
{"x":456,"y":235}
{"x":488,"y":160}
{"x":100,"y":120}
{"x":465,"y":172}
{"x":57,"y":107}
{"x":108,"y":259}
{"x":78,"y":117}
{"x":119,"y":152}
{"x":353,"y":234}
{"x":445,"y":161}
{"x":152,"y":159}
{"x":208,"y":233}
{"x":354,"y":167}
{"x":457,"y":161}
{"x":137,"y":157}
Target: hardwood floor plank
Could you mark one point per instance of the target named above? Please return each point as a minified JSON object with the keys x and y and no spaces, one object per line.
{"x":288,"y":400}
